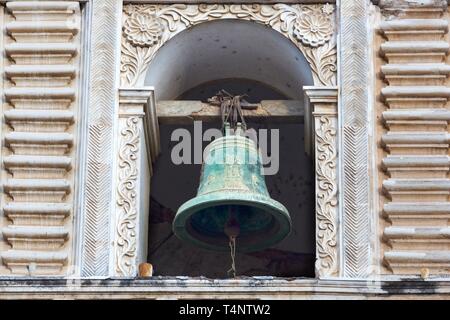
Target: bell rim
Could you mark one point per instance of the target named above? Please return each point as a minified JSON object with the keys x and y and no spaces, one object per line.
{"x":278,"y":210}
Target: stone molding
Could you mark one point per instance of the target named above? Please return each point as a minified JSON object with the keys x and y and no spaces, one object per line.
{"x":256,"y":288}
{"x":415,"y":139}
{"x":99,"y":166}
{"x":40,"y":110}
{"x":405,"y":4}
{"x":356,"y":206}
{"x":147,"y":27}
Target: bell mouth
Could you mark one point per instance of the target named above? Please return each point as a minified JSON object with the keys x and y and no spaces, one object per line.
{"x":263,"y":221}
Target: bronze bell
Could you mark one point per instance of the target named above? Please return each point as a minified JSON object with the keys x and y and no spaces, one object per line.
{"x":232,"y":200}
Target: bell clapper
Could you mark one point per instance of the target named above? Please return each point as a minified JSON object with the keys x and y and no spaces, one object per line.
{"x":232,"y":230}
{"x":232,"y":245}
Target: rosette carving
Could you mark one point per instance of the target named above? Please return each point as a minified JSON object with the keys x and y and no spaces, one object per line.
{"x":313,"y":30}
{"x":143,"y":29}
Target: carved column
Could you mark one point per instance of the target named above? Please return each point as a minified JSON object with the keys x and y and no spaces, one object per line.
{"x":138,"y":144}
{"x":356,"y":206}
{"x":323,"y":102}
{"x":98,"y":184}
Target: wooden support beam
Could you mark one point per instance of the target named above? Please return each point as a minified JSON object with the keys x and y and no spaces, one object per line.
{"x":184,"y":112}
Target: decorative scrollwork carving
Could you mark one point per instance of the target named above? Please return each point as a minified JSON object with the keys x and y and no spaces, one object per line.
{"x":128,"y":173}
{"x":148,"y":27}
{"x":326,"y":196}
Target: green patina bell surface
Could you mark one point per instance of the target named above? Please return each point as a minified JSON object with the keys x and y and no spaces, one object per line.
{"x":232,"y":191}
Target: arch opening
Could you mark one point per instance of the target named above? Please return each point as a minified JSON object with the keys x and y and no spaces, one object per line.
{"x":241,"y":57}
{"x":228,"y":49}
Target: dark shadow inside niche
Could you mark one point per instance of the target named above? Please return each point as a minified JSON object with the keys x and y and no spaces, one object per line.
{"x":293,"y":185}
{"x":255,"y":91}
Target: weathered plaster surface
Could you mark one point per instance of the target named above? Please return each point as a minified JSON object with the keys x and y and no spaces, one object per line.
{"x":202,"y":288}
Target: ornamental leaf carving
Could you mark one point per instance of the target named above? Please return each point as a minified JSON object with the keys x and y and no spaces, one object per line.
{"x":147,"y":27}
{"x":128,"y":173}
{"x":326,"y":196}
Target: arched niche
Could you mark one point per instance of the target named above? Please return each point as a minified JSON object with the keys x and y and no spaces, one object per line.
{"x":210,"y":52}
{"x":228,"y":49}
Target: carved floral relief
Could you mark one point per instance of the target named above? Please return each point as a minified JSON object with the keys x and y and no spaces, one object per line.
{"x":147,"y":27}
{"x":326,"y":196}
{"x":143,"y":29}
{"x":126,"y":221}
{"x":313,"y":30}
